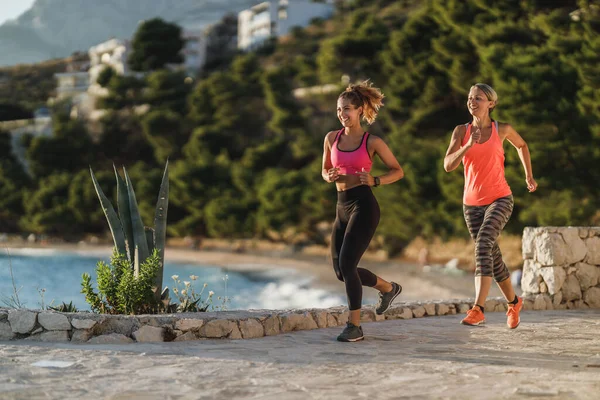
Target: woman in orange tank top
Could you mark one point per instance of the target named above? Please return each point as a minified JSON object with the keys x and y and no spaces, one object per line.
{"x":487,"y":198}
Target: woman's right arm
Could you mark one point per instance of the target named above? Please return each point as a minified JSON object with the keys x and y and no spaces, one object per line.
{"x":455,"y":152}
{"x":328,"y":173}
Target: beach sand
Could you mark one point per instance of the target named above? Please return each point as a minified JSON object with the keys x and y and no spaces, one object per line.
{"x":553,"y":354}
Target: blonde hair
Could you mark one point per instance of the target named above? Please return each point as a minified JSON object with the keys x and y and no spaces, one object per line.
{"x":489,"y":92}
{"x":366,"y":96}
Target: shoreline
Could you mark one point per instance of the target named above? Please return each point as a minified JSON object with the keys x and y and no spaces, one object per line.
{"x":418,"y":284}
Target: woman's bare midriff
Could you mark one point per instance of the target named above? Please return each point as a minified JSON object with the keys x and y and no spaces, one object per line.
{"x":347,"y":182}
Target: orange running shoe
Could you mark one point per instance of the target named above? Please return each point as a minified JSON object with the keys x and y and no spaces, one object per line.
{"x":474,"y":317}
{"x":514,"y":319}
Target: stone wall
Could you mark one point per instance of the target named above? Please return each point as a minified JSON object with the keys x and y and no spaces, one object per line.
{"x":561,"y":267}
{"x":87,"y":327}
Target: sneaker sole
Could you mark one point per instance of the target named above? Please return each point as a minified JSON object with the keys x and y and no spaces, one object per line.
{"x":478,"y":323}
{"x":351,"y":340}
{"x":516,"y":326}
{"x":391,"y":301}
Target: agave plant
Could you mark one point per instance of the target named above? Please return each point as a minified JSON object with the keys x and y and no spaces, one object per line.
{"x":130,"y":236}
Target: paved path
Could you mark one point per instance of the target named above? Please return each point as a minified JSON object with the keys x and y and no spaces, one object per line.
{"x":552,"y":355}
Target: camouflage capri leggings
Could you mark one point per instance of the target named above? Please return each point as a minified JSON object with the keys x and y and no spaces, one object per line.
{"x":485,"y":224}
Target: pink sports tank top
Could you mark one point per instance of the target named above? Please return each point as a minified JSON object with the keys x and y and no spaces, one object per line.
{"x":484,"y":170}
{"x":351,"y":161}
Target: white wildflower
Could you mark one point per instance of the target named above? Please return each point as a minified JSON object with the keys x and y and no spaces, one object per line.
{"x":193,"y":277}
{"x":211,"y":293}
{"x":186,"y":283}
{"x":175,"y":277}
{"x":183,"y":292}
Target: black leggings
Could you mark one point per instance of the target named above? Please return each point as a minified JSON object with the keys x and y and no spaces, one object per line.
{"x":357,"y":216}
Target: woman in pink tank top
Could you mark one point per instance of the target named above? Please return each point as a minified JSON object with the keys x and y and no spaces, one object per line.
{"x":347,"y":156}
{"x":487,"y":198}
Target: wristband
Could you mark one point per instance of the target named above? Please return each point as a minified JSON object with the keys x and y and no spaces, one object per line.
{"x":377,"y":181}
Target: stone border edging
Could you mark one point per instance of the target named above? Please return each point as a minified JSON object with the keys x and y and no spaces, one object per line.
{"x":50,"y":326}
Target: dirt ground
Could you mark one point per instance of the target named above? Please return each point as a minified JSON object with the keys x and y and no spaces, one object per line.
{"x":552,"y":355}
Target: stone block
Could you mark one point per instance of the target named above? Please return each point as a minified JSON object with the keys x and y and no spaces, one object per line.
{"x":429,"y":308}
{"x":571,"y":289}
{"x":5,"y":332}
{"x":54,"y":321}
{"x":188,"y":324}
{"x":331,"y":320}
{"x":111,"y":338}
{"x":442,"y":309}
{"x":398,"y":312}
{"x":320,"y":317}
{"x":251,"y":328}
{"x":418,"y":311}
{"x":531,"y":279}
{"x":149,"y":333}
{"x":51,"y":336}
{"x":291,"y":322}
{"x":540,"y":302}
{"x":272,"y":325}
{"x":593,"y":250}
{"x":22,"y":321}
{"x":217,"y":328}
{"x":81,"y":336}
{"x":553,"y":277}
{"x":543,"y":287}
{"x":463,"y":308}
{"x":583,"y":232}
{"x":551,"y":249}
{"x":557,"y":300}
{"x":83,"y":323}
{"x":592,"y":297}
{"x":587,"y":275}
{"x":235,"y":332}
{"x":367,"y":314}
{"x":116,"y":324}
{"x":576,"y":247}
{"x":189,"y":335}
{"x":528,"y":242}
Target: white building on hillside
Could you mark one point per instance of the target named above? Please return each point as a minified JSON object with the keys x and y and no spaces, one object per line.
{"x":276,"y":18}
{"x":113,"y":53}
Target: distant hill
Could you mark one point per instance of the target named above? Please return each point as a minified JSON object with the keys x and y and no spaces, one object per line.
{"x":57,"y":28}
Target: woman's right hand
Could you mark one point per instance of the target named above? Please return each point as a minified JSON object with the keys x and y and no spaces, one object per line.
{"x":475,"y":137}
{"x":332,"y":175}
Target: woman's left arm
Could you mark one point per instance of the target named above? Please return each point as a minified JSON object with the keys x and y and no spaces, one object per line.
{"x":395,"y":172}
{"x":519,"y":143}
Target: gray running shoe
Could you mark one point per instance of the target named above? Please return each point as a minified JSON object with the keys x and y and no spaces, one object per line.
{"x":351,"y":333}
{"x":386,"y":299}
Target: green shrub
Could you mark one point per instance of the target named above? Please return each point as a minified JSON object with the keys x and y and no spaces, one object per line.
{"x":120,"y":291}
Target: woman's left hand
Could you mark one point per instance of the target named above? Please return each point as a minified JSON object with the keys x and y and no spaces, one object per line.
{"x":531,"y":184}
{"x":366,"y":178}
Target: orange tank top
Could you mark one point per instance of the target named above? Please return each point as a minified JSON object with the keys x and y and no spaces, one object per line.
{"x":484,"y":170}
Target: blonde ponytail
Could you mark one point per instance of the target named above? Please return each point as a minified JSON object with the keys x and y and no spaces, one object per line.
{"x":366,"y":96}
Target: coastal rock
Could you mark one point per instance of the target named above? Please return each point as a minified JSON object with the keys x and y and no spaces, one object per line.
{"x":251,"y":328}
{"x":187,"y":324}
{"x":295,"y":322}
{"x":121,"y":325}
{"x":149,"y":334}
{"x":540,"y":302}
{"x":571,"y":289}
{"x":587,"y":275}
{"x":592,"y":297}
{"x":22,"y":321}
{"x":583,"y":233}
{"x":83,"y":323}
{"x":5,"y":332}
{"x":54,"y":322}
{"x":331,"y":321}
{"x":553,"y":277}
{"x":462,"y":308}
{"x":111,"y":338}
{"x":367,"y":315}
